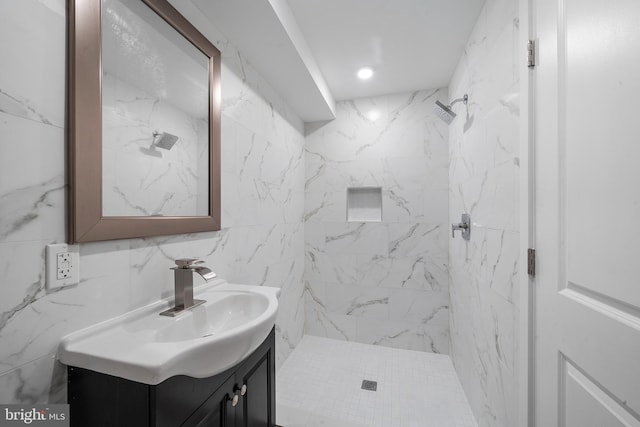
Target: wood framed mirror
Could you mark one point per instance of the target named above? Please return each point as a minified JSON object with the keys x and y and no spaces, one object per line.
{"x":143,"y":122}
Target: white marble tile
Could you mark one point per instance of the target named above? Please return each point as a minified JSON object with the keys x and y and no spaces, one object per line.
{"x":405,"y":334}
{"x":358,"y":301}
{"x":23,"y":285}
{"x":502,"y":263}
{"x":337,"y":326}
{"x":290,"y":318}
{"x":33,"y":64}
{"x":426,"y":307}
{"x":484,"y":168}
{"x":356,"y":238}
{"x":405,"y":206}
{"x":413,"y":272}
{"x":239,"y":101}
{"x":331,"y":268}
{"x":503,"y":130}
{"x":228,"y":144}
{"x":416,"y":239}
{"x":325,"y":206}
{"x":32,"y":180}
{"x":318,"y":321}
{"x":436,"y":205}
{"x":34,"y":319}
{"x":39,"y":381}
{"x":394,"y":142}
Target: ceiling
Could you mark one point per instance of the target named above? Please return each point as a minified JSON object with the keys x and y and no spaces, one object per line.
{"x":410,"y":44}
{"x":310,"y":50}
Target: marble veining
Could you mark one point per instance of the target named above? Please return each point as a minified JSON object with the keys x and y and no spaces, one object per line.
{"x":263,"y":173}
{"x":380,"y":283}
{"x":23,"y":206}
{"x":18,"y":107}
{"x":483,"y":174}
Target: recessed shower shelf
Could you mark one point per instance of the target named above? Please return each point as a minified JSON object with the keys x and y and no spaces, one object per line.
{"x":364,"y":204}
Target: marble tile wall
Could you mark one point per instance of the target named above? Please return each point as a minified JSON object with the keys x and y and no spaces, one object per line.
{"x":262,"y":240}
{"x":382,"y":282}
{"x":483,"y":173}
{"x":141,"y":180}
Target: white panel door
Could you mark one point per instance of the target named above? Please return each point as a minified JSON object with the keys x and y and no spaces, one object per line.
{"x":587,"y":155}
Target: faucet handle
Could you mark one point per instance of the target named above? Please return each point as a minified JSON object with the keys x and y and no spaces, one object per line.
{"x":188,"y":262}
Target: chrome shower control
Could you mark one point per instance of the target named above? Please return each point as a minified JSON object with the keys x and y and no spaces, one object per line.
{"x":464,"y":226}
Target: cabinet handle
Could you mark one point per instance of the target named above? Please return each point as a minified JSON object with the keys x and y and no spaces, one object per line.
{"x":234,"y":400}
{"x":242,"y":390}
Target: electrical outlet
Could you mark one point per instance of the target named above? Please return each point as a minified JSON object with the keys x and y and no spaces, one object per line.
{"x":63,"y":267}
{"x":64,"y":273}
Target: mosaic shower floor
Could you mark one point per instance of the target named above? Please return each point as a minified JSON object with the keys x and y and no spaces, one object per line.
{"x":320,"y":384}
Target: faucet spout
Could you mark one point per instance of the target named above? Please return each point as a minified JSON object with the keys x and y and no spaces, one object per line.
{"x":206,"y":273}
{"x":184,"y":284}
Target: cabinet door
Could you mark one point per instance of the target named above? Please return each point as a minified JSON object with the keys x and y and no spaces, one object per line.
{"x":257,"y":398}
{"x":257,"y":373}
{"x":217,"y":411}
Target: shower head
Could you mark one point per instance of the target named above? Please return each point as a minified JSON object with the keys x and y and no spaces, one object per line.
{"x":162,"y":140}
{"x":445,"y":112}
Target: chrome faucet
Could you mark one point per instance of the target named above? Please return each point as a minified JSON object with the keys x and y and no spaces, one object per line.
{"x":183,"y":272}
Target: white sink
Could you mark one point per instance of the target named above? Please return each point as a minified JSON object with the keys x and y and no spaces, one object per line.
{"x":145,"y":347}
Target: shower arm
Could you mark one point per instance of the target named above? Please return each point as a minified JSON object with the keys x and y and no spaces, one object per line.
{"x":464,"y":99}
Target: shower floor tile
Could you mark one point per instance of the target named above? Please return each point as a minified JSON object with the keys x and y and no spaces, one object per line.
{"x":320,"y":384}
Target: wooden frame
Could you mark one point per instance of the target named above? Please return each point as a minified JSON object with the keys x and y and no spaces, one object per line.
{"x":86,"y":222}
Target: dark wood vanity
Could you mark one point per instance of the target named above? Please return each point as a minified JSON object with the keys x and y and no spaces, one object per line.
{"x":242,"y":396}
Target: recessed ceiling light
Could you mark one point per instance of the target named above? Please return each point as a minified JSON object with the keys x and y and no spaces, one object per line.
{"x":365,"y":73}
{"x":373,"y":115}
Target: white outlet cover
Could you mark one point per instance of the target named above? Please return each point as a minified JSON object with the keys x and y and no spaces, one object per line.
{"x":52,"y":281}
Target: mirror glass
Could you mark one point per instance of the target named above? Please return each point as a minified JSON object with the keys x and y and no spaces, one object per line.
{"x":155,"y":116}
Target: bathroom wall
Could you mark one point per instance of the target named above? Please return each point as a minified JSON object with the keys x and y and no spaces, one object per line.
{"x":382,"y":282}
{"x":262,"y":196}
{"x":483,"y":172}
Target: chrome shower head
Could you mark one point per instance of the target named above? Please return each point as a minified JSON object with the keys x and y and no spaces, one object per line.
{"x":445,"y":113}
{"x":162,"y":140}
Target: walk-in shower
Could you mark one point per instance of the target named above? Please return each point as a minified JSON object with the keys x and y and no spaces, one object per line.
{"x":445,"y":112}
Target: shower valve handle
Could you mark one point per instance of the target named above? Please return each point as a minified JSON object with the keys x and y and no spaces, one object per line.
{"x":464,"y":226}
{"x":459,"y":226}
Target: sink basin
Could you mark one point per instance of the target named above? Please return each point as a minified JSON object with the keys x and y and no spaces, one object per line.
{"x":145,"y":347}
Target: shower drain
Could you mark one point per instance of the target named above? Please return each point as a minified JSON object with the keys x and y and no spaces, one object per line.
{"x":369,"y":385}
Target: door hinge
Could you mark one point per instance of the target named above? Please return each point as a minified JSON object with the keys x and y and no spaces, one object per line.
{"x":531,"y":262}
{"x":531,"y":53}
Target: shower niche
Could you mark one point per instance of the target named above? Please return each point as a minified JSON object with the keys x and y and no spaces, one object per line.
{"x":364,"y":204}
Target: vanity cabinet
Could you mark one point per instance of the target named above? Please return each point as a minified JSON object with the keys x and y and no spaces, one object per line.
{"x":243,"y":396}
